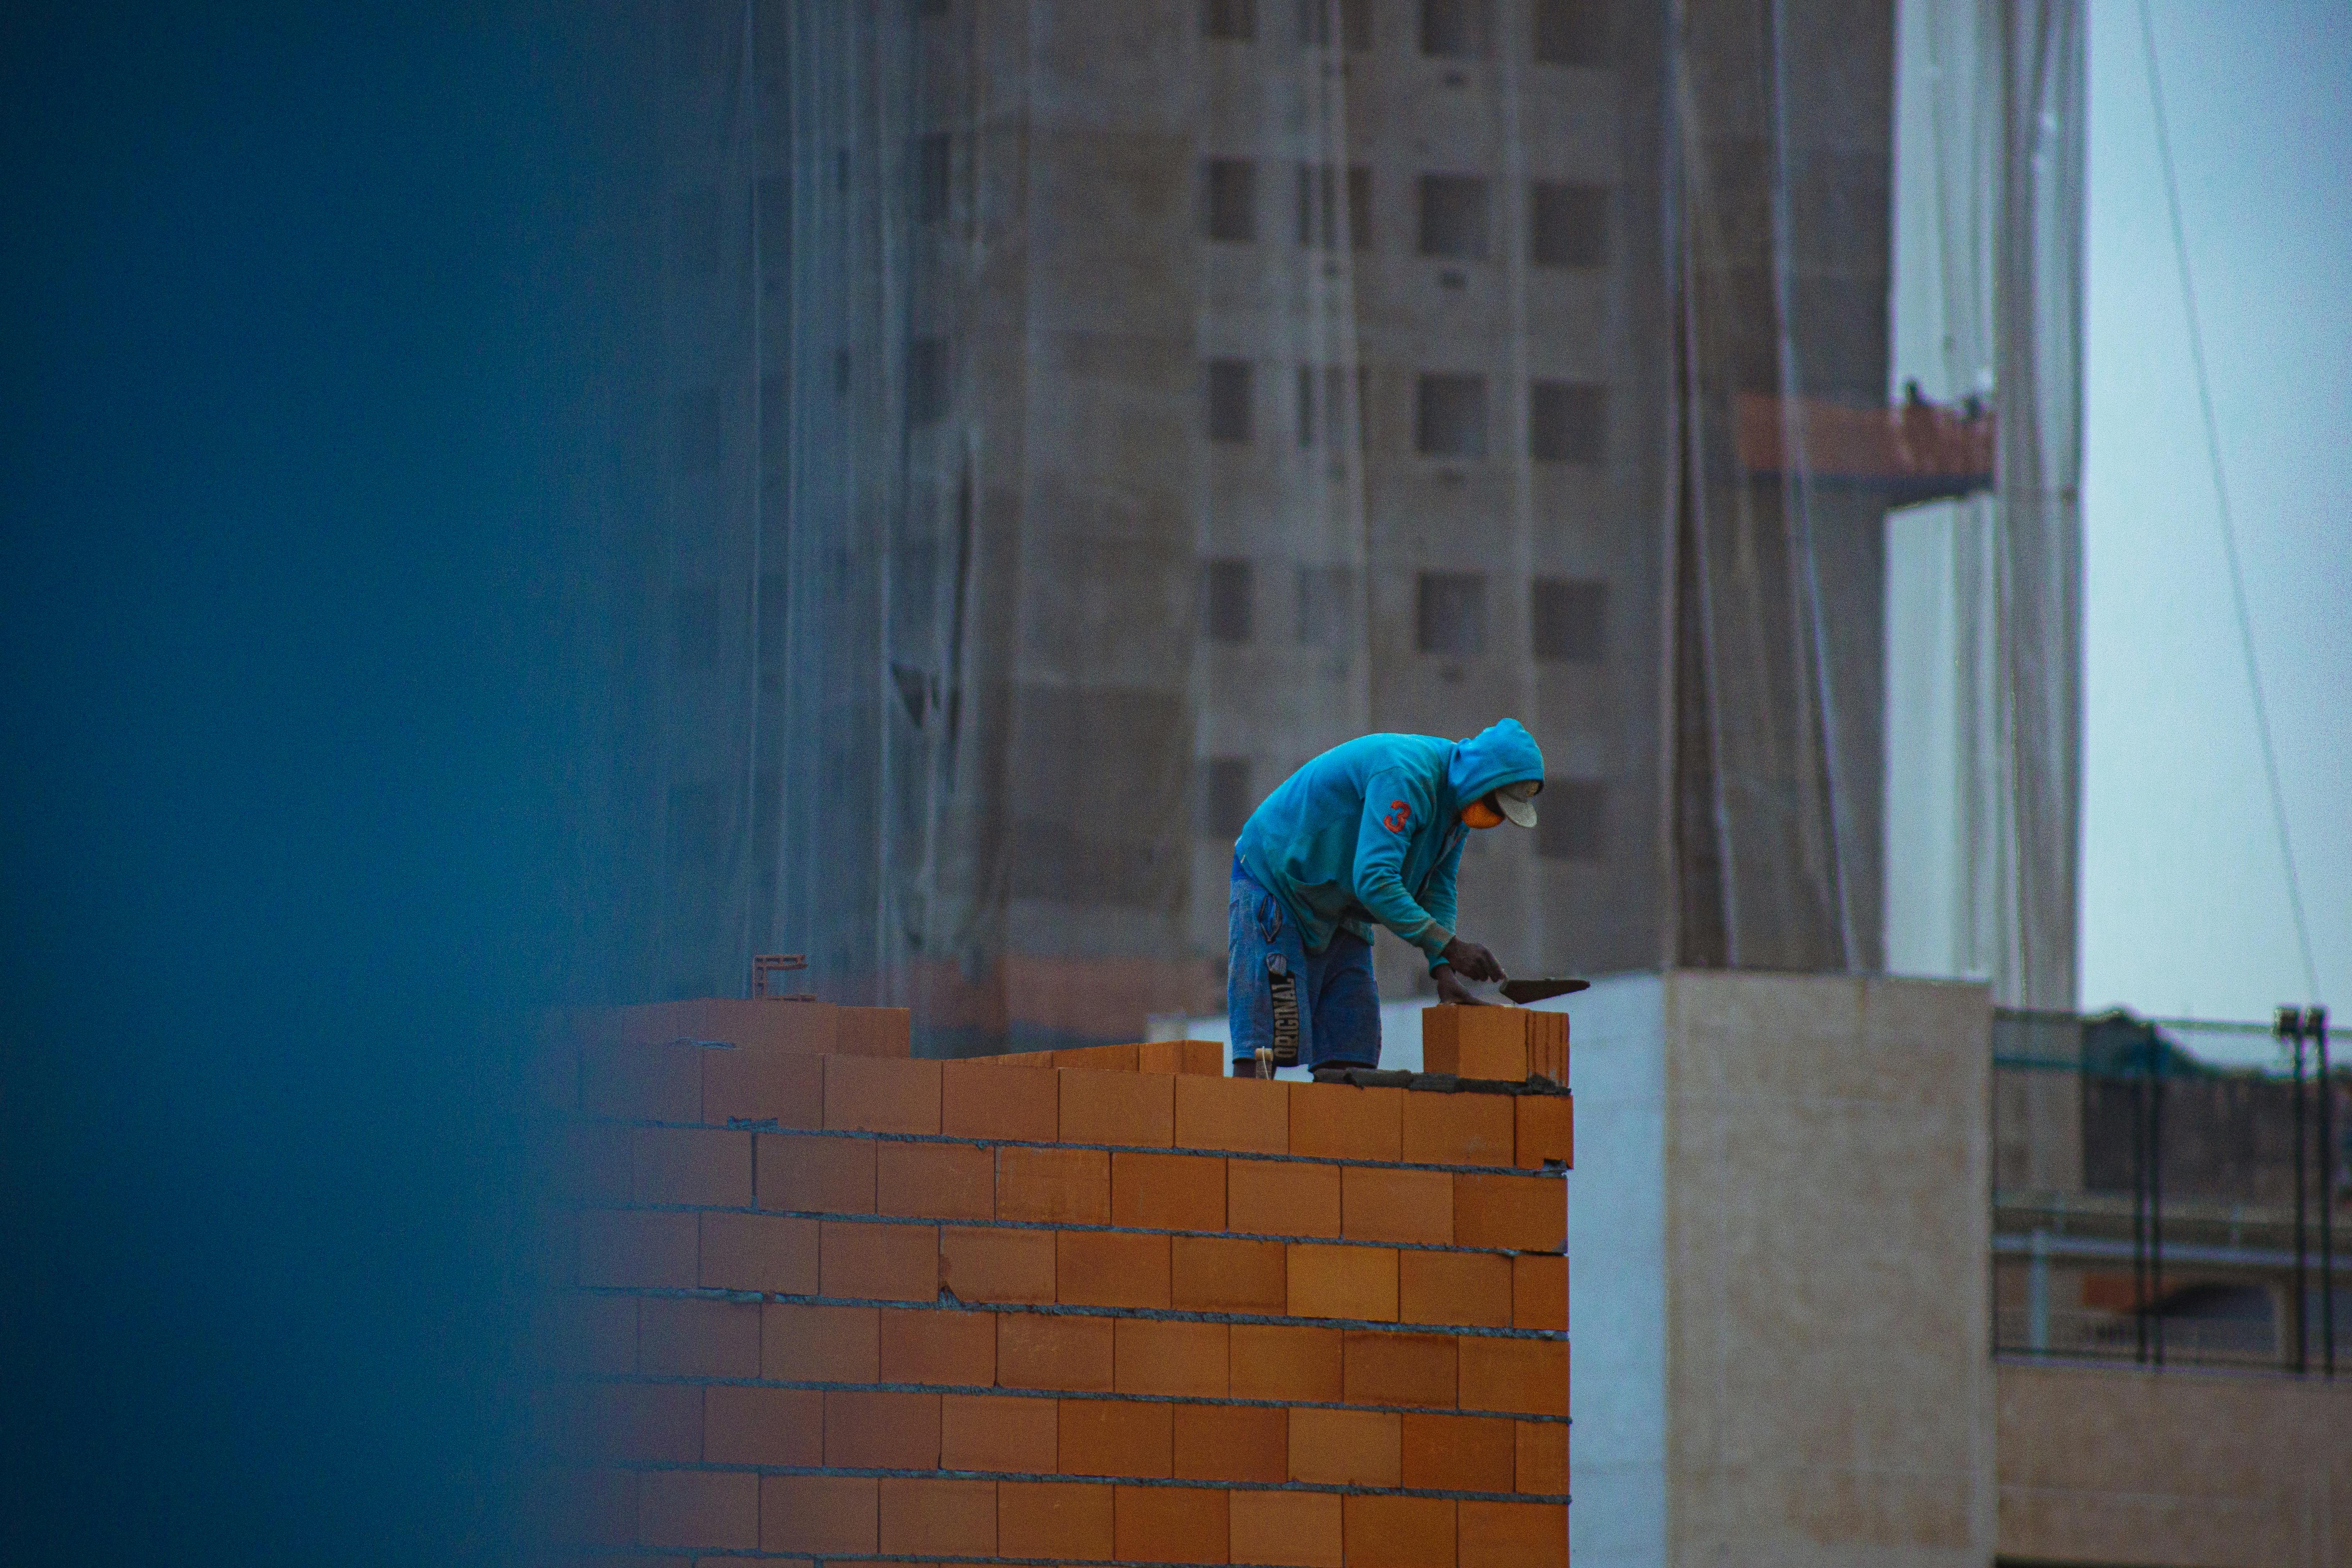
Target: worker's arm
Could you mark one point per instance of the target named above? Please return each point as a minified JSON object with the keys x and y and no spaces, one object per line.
{"x":1438,"y":892}
{"x":1394,"y":805}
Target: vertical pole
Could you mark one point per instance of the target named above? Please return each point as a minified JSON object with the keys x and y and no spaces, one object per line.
{"x":2139,"y":1219}
{"x":2037,"y":1295}
{"x":2315,"y":1020}
{"x":2155,"y":1184}
{"x":2290,"y":1029}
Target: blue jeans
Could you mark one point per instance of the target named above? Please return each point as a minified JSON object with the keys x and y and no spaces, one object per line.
{"x":1324,"y":1005}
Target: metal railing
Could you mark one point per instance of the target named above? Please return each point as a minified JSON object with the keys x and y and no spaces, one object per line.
{"x":2167,"y":1194}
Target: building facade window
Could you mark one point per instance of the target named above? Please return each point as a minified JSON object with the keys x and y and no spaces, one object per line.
{"x":1569,"y":619}
{"x":1453,"y":217}
{"x":1572,"y":819}
{"x":1450,"y":416}
{"x":1233,"y":20}
{"x":1457,"y":29}
{"x":1229,"y":205}
{"x":1226,"y":798}
{"x":1228,"y":382}
{"x":1355,"y":24}
{"x":1450,"y":614}
{"x":1318,"y":207}
{"x":1227,"y":590}
{"x":1568,"y":422}
{"x":1572,"y":32}
{"x":1568,"y":224}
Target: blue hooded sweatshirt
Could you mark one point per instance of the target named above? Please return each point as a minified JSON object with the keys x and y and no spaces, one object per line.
{"x":1372,"y":831}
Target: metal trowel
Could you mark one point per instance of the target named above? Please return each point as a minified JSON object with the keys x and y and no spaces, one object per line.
{"x":1525,"y":991}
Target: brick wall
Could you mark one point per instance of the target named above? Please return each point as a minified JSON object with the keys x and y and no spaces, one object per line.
{"x":834,"y":1308}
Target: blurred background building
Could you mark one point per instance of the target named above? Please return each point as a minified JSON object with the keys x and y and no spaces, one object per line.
{"x":1182,"y":387}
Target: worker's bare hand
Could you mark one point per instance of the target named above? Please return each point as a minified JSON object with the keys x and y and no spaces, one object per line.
{"x":1450,"y":989}
{"x":1475,"y":962}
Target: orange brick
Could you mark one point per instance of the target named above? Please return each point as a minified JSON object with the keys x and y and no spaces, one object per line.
{"x":1153,"y":1355}
{"x":642,"y":1083}
{"x":1546,"y":1129}
{"x":648,"y":1251}
{"x":1240,"y":1114}
{"x":1199,"y":1059}
{"x":1396,"y":1206}
{"x":882,"y":1431}
{"x":1282,"y":1361}
{"x":816,"y":1175}
{"x":980,"y":1099}
{"x":1543,"y":1457}
{"x":889,"y":1262}
{"x":1547,"y":1045}
{"x":874,"y":1031}
{"x":760,"y":1252}
{"x":981,"y":1432}
{"x":1169,"y":1524}
{"x":1475,"y":1042}
{"x":753,"y":1083}
{"x":1512,"y":1535}
{"x":697,"y":1508}
{"x":1526,"y":1377}
{"x":996,"y":1264}
{"x":1111,"y":1269}
{"x":1458,"y":1453}
{"x":1055,"y":1186}
{"x":1343,"y":1282}
{"x":1345,"y":1447}
{"x":939,"y":1347}
{"x":1525,"y":1214}
{"x":1341,"y":1122}
{"x":1054,"y":1520}
{"x":875,"y":1094}
{"x":1227,"y":1274}
{"x":1459,"y":1129}
{"x":691,"y":1165}
{"x":1540,"y":1291}
{"x":820,"y":1344}
{"x":1400,"y":1369}
{"x":1167,"y":1191}
{"x":1231,"y":1442}
{"x":819,"y":1514}
{"x":698,"y":1337}
{"x":1281,"y":1197}
{"x":1115,"y":1437}
{"x":657,"y":1421}
{"x":1472,"y":1288}
{"x":1400,"y":1531}
{"x":1293,"y":1529}
{"x":1035,"y":1349}
{"x":762,"y":1426}
{"x":935,"y":1181}
{"x":1136,"y":1107}
{"x":1100,"y":1058}
{"x":934,"y":1516}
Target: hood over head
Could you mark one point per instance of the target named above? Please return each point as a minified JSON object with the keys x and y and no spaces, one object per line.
{"x":1503,"y":753}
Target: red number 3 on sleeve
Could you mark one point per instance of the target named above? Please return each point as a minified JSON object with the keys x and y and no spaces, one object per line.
{"x":1398,"y":818}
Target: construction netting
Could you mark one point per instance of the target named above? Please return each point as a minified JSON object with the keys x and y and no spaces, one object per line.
{"x":1071,"y":417}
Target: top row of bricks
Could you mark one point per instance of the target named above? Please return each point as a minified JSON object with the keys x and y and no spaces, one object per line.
{"x":985,"y":1098}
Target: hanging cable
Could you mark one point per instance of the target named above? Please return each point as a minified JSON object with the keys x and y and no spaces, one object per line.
{"x":2221,"y":502}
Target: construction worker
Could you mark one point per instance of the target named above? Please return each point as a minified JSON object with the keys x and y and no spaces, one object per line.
{"x":1369,"y":832}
